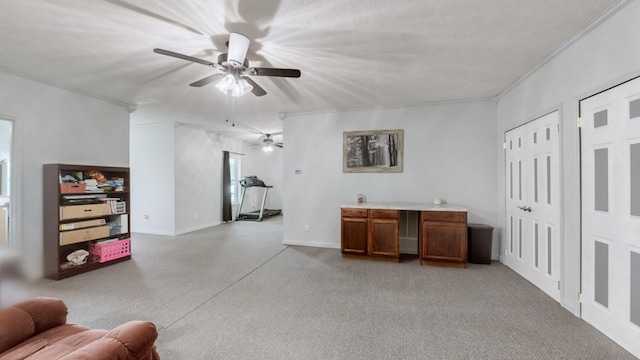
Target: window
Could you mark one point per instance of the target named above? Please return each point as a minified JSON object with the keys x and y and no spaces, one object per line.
{"x":234,"y":164}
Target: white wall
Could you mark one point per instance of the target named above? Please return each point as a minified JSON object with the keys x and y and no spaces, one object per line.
{"x":198,"y":180}
{"x":53,"y":125}
{"x":153,"y":179}
{"x":199,"y":177}
{"x":604,"y":57}
{"x":268,"y":167}
{"x":176,"y":173}
{"x":449,"y":152}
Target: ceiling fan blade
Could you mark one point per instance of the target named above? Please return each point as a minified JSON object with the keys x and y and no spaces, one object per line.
{"x":238,"y":46}
{"x":280,"y":145}
{"x":183,"y":57}
{"x":257,"y":90}
{"x":208,"y":80}
{"x":295,"y":73}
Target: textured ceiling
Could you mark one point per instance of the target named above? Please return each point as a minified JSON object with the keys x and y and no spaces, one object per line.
{"x":352,"y":54}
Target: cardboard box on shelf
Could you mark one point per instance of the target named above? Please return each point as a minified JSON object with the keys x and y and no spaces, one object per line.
{"x":76,"y":236}
{"x":82,"y":224}
{"x":72,"y":188}
{"x":84,"y":211}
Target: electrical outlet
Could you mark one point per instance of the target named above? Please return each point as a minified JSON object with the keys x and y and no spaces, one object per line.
{"x":195,"y":216}
{"x":306,"y":227}
{"x":146,"y":217}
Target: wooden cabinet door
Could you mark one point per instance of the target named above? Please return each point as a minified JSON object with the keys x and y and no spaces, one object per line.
{"x":354,"y":235}
{"x":443,"y":238}
{"x":384,"y":237}
{"x":444,"y":241}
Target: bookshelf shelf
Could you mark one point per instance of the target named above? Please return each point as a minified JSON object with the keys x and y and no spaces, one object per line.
{"x":74,"y":219}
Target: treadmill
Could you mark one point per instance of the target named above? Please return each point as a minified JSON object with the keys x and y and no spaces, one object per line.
{"x":259,"y":215}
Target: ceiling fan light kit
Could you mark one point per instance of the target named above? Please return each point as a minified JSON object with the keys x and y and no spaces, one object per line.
{"x":234,"y":85}
{"x":267,"y":143}
{"x":236,"y":81}
{"x":241,"y":88}
{"x":226,"y":83}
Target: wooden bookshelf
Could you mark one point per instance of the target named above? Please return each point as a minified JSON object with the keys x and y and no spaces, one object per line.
{"x":89,"y":210}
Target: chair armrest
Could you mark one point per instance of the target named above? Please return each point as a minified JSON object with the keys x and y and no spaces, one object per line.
{"x":16,"y":326}
{"x":46,"y":312}
{"x":28,"y":318}
{"x":138,"y":337}
{"x":101,"y":349}
{"x":132,"y":340}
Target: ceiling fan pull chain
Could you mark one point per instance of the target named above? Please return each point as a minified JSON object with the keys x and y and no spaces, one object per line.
{"x":233,"y":108}
{"x":227,"y":107}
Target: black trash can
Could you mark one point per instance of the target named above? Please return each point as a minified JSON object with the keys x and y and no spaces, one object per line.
{"x":479,"y":243}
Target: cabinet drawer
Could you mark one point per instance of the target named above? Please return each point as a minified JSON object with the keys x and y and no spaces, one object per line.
{"x":84,"y":211}
{"x":450,"y":216}
{"x":357,"y":213}
{"x":383,"y":214}
{"x":76,"y":236}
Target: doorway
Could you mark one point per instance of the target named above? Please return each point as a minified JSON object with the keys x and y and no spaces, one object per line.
{"x":6,"y":141}
{"x":533,"y":237}
{"x":610,"y":156}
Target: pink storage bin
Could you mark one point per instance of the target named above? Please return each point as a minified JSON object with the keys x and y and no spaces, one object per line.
{"x":111,"y":251}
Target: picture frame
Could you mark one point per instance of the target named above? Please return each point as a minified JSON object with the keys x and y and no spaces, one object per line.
{"x":374,"y":151}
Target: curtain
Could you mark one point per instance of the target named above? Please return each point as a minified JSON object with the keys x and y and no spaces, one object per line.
{"x":226,"y":190}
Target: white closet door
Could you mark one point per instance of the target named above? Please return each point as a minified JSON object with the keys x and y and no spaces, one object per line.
{"x":533,"y":203}
{"x":611,"y":213}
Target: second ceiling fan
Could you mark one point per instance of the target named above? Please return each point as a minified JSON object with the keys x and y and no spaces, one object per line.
{"x":235,"y":72}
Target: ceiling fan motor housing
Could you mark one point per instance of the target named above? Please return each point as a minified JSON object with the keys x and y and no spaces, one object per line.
{"x":223,"y":60}
{"x":238,"y":46}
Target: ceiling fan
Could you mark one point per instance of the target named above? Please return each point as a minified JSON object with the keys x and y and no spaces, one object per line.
{"x":268,"y":143}
{"x":235,"y":72}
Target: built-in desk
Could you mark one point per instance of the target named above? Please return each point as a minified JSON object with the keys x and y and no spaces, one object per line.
{"x":371,"y":231}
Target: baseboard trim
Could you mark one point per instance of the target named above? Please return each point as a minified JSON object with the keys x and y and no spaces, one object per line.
{"x":196,"y":228}
{"x":175,"y":233}
{"x":311,"y":243}
{"x":153,"y":232}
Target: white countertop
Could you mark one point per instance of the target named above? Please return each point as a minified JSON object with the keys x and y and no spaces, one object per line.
{"x":405,"y":206}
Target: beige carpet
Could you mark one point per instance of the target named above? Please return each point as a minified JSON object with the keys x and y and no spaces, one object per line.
{"x":235,"y":292}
